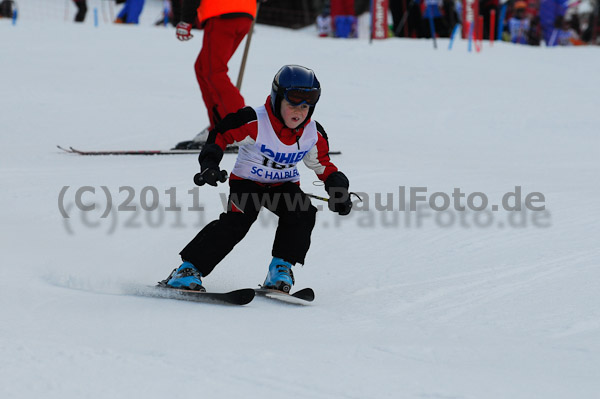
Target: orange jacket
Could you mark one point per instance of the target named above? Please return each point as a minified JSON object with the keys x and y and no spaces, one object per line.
{"x":214,"y":8}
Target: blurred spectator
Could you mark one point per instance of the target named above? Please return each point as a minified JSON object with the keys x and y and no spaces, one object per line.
{"x":415,"y":26}
{"x":550,"y":10}
{"x":130,"y":13}
{"x":81,"y":10}
{"x":566,"y":35}
{"x":324,"y":22}
{"x":172,"y":13}
{"x":324,"y":25}
{"x":450,"y":16}
{"x":410,"y":18}
{"x":587,"y":24}
{"x":444,"y":17}
{"x":341,"y":7}
{"x":339,"y":10}
{"x":518,"y":25}
{"x":585,"y":14}
{"x":430,"y":8}
{"x":399,"y":10}
{"x":533,"y":8}
{"x":535,"y":31}
{"x":406,"y":18}
{"x":575,"y":24}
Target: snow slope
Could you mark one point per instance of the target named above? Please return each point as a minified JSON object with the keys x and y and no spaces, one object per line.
{"x":409,"y":304}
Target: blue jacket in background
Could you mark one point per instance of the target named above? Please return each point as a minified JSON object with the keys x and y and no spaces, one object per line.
{"x":549,"y":11}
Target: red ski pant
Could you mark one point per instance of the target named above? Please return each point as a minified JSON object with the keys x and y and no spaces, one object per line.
{"x":222,"y":36}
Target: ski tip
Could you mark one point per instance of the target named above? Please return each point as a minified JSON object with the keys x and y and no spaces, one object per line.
{"x":301,"y":297}
{"x":243,"y":296}
{"x":306,"y":294}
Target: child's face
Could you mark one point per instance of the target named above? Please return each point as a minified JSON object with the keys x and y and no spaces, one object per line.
{"x":293,"y":115}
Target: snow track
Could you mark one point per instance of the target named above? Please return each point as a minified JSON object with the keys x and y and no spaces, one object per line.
{"x":402,"y":310}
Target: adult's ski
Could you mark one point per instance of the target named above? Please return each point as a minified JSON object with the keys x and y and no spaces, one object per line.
{"x":228,"y":150}
{"x":71,"y":150}
{"x":301,"y":297}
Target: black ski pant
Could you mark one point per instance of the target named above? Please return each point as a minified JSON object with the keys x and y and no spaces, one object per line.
{"x":81,"y":10}
{"x":292,"y":238}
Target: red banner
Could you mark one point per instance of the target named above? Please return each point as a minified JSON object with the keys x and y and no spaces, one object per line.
{"x":379,"y":19}
{"x":470,"y":11}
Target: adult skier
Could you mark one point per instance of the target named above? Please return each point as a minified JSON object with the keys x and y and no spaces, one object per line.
{"x":272,"y":138}
{"x":225,"y":25}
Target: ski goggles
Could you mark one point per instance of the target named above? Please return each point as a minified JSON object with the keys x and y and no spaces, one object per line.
{"x":298,"y":96}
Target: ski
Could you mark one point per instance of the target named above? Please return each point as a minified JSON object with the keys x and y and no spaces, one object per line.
{"x":71,"y":150}
{"x":301,"y":297}
{"x":237,"y":297}
{"x":228,"y":150}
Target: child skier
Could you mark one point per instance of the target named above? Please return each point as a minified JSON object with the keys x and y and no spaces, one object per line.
{"x":272,"y":139}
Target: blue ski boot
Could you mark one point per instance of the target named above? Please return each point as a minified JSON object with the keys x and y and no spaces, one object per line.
{"x":280,"y":276}
{"x":186,"y":277}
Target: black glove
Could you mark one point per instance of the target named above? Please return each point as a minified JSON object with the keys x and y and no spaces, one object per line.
{"x":210,"y":177}
{"x":336,"y":186}
{"x":209,"y":159}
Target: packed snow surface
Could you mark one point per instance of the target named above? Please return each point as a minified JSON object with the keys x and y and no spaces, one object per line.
{"x":422,"y":304}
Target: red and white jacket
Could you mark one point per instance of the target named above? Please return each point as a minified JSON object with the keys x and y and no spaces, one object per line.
{"x":269,"y":151}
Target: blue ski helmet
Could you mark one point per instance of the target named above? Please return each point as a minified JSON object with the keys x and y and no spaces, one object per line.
{"x":298,"y":85}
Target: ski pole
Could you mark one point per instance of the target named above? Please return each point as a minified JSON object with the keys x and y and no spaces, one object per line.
{"x":327,"y":199}
{"x":501,"y":21}
{"x":317,"y":197}
{"x":470,"y":30}
{"x":238,"y":85}
{"x":432,"y":25}
{"x":479,"y":34}
{"x":456,"y":27}
{"x":492,"y":26}
{"x":403,"y":24}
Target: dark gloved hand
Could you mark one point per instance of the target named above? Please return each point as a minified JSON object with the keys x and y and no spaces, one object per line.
{"x":209,"y":159}
{"x":210,"y":177}
{"x":336,"y":186}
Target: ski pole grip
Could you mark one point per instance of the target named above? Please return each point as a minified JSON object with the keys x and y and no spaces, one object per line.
{"x":224,"y":176}
{"x":199,"y":179}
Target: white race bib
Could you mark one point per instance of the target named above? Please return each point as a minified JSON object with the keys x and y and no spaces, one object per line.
{"x":269,"y":160}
